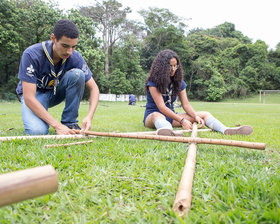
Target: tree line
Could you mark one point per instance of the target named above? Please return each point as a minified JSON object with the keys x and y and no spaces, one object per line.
{"x":218,"y":63}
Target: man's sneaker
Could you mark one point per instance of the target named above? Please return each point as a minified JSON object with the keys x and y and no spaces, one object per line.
{"x":242,"y":130}
{"x":168,"y":132}
{"x":73,"y":126}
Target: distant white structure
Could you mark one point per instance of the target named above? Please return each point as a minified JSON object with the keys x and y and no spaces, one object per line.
{"x":117,"y":97}
{"x":262,"y":93}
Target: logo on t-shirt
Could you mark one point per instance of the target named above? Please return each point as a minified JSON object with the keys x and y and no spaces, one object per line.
{"x":30,"y":71}
{"x":85,"y":69}
{"x":46,"y":82}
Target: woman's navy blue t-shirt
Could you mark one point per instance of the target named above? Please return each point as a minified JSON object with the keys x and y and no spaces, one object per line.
{"x":168,"y":100}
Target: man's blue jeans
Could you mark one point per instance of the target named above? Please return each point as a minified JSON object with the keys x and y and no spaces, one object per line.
{"x":71,"y":89}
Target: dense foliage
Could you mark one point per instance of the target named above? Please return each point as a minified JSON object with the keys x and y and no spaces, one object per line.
{"x":218,"y":63}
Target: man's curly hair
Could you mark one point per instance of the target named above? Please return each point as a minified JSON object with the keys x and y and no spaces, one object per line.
{"x":160,"y":72}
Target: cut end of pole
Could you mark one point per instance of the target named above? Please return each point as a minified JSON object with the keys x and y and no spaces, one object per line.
{"x":182,"y":207}
{"x":27,"y":184}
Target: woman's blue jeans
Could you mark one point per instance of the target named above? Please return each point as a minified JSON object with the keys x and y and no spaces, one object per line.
{"x":71,"y":89}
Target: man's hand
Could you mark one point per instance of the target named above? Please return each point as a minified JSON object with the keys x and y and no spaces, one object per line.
{"x":64,"y":130}
{"x":86,"y":124}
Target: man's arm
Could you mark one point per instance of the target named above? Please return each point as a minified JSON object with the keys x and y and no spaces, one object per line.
{"x":29,"y":93}
{"x":93,"y":101}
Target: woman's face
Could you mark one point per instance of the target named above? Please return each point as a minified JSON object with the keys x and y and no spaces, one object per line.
{"x":173,"y":66}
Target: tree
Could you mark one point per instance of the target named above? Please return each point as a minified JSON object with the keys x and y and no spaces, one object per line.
{"x":274,"y":55}
{"x":89,"y":47}
{"x":126,"y":58}
{"x":155,"y":18}
{"x":249,"y":75}
{"x":23,"y":23}
{"x":39,"y":19}
{"x":216,"y":88}
{"x":230,"y":63}
{"x":203,"y":44}
{"x":208,"y":84}
{"x":227,"y":30}
{"x":118,"y":82}
{"x":10,"y":40}
{"x":110,"y":19}
{"x":164,"y":31}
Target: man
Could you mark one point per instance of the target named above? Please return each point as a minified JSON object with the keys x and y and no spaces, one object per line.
{"x":49,"y":73}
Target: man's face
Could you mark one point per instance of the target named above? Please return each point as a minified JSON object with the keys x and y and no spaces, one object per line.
{"x":63,"y":47}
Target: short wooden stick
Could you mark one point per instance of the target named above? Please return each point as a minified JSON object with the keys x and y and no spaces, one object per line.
{"x":26,"y":184}
{"x":27,"y":137}
{"x":182,"y":203}
{"x":68,"y":144}
{"x":244,"y":144}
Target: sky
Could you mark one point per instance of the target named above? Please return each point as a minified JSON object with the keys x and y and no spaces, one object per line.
{"x":257,"y":19}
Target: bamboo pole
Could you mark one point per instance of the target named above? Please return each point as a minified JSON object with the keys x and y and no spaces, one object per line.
{"x":140,"y":133}
{"x":244,"y":144}
{"x":176,"y":131}
{"x":182,"y":203}
{"x":26,"y":184}
{"x":68,"y":144}
{"x":27,"y":137}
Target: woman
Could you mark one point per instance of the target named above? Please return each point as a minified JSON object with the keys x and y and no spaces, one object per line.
{"x":163,"y":85}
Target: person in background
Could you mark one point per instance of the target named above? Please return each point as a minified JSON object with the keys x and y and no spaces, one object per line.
{"x":132,"y":100}
{"x":163,"y":85}
{"x":51,"y":72}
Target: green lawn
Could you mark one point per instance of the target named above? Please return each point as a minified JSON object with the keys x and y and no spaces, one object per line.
{"x":135,"y":181}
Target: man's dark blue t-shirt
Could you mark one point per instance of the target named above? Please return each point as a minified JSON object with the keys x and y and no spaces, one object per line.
{"x":35,"y":67}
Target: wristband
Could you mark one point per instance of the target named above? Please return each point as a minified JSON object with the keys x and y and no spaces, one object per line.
{"x":182,"y":120}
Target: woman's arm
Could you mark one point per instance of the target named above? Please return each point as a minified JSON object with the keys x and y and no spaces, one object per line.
{"x":188,"y":107}
{"x":186,"y":104}
{"x":157,"y":96}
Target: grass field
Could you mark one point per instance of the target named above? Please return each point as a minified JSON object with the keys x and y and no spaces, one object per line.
{"x":135,"y":181}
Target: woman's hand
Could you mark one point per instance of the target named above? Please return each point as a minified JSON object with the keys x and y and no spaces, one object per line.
{"x":186,"y":124}
{"x":200,"y":121}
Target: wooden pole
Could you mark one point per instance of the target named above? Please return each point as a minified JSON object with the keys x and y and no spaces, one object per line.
{"x":26,"y":184}
{"x":182,"y":203}
{"x":244,"y":144}
{"x":139,"y":133}
{"x":176,"y":131}
{"x":10,"y":138}
{"x":68,"y":144}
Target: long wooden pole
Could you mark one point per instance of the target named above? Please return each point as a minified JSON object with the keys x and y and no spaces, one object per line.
{"x":26,"y":137}
{"x":182,"y":203}
{"x":26,"y":184}
{"x":244,"y":144}
{"x":139,"y":133}
{"x":176,"y":131}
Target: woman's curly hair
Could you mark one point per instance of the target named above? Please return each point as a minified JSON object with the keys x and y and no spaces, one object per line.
{"x":160,"y":72}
